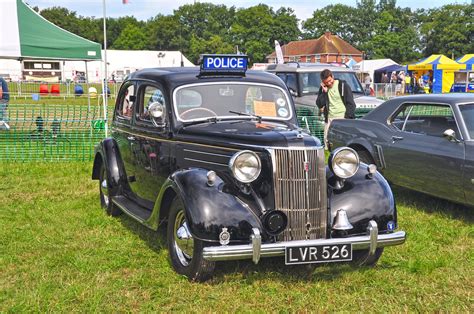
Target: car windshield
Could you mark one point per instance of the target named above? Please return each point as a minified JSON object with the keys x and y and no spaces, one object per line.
{"x":312,"y":81}
{"x":467,"y":112}
{"x":227,"y":100}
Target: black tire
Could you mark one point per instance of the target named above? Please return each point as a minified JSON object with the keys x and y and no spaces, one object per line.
{"x":186,"y":254}
{"x":106,"y":193}
{"x":365,"y":157}
{"x":362,"y":258}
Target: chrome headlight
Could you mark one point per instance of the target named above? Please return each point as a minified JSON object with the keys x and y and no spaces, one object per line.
{"x":245,"y":166}
{"x":344,"y":162}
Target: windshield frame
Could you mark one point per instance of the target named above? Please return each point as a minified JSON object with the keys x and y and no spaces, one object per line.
{"x":234,"y":116}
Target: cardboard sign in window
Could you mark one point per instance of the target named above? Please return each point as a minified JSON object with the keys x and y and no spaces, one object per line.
{"x":264,"y":108}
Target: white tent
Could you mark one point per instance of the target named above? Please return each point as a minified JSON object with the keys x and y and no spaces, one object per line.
{"x":369,"y":66}
{"x":120,"y":63}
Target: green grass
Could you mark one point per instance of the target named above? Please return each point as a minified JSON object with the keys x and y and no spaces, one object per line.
{"x":61,"y":253}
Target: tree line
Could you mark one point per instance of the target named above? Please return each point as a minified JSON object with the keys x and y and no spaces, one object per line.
{"x":379,"y":28}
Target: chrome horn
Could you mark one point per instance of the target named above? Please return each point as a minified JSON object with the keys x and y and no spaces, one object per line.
{"x":342,"y":222}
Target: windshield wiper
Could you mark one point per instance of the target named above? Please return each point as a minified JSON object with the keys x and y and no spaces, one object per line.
{"x":208,"y":120}
{"x":259,"y":118}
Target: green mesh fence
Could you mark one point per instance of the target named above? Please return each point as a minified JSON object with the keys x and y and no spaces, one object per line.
{"x":309,"y":118}
{"x":51,"y":132}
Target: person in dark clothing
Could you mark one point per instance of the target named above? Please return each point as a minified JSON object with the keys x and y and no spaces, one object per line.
{"x":4,"y":99}
{"x":335,"y":100}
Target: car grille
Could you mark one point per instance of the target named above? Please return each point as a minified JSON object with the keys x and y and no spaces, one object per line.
{"x":300,"y":191}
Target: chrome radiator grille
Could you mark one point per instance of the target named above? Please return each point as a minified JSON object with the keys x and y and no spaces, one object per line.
{"x":300,"y":191}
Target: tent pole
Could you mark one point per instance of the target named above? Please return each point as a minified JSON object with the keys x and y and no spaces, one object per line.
{"x":104,"y":82}
{"x":87,"y":84}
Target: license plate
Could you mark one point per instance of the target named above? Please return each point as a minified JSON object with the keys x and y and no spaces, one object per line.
{"x":318,"y":254}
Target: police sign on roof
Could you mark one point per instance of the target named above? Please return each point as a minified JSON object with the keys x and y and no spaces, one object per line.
{"x":224,"y":64}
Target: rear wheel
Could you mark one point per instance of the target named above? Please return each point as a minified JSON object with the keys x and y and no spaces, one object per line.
{"x":185,"y":251}
{"x":106,"y":193}
{"x":362,"y":257}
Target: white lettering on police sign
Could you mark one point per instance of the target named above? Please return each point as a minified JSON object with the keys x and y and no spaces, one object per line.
{"x":224,"y":63}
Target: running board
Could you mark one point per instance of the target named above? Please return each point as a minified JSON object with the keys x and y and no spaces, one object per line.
{"x":130,"y":208}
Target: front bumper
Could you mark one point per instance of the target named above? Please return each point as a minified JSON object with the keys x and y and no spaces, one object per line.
{"x":256,"y":250}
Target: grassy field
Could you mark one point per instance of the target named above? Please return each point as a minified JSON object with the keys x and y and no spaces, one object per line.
{"x":61,"y":253}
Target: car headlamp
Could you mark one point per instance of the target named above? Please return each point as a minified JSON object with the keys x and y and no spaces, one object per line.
{"x":344,"y":162}
{"x":245,"y":166}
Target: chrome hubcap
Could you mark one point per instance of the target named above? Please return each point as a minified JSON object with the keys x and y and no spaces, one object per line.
{"x":183,"y":240}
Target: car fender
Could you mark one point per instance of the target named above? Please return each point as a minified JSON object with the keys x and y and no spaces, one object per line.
{"x":209,"y":208}
{"x":364,"y":197}
{"x":362,"y":143}
{"x":107,"y":152}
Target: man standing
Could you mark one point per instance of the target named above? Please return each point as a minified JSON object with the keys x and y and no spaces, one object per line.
{"x":4,"y":98}
{"x":335,"y":101}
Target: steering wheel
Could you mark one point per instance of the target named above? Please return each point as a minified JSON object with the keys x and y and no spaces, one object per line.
{"x":197,"y":109}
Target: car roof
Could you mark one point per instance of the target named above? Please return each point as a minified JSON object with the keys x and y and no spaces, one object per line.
{"x":306,"y":67}
{"x":176,"y":76}
{"x":388,"y":107}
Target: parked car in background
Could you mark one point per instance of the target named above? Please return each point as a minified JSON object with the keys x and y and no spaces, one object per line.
{"x":216,"y":153}
{"x":421,"y":142}
{"x":304,"y":81}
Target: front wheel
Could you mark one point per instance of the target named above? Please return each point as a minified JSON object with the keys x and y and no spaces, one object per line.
{"x":106,"y":193}
{"x":185,"y":251}
{"x":362,"y":257}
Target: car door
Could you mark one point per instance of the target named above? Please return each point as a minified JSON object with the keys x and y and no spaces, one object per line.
{"x":419,"y":157}
{"x":151,"y":148}
{"x":465,"y":112}
{"x":122,"y":131}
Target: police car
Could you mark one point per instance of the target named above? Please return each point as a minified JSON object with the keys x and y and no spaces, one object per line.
{"x":215,"y":153}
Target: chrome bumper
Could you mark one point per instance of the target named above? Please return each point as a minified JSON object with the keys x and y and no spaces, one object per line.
{"x":255,"y":250}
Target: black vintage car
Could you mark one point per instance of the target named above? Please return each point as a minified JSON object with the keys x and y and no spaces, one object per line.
{"x":216,"y":153}
{"x":421,"y":142}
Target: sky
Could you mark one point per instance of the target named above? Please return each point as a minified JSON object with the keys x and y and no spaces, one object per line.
{"x":145,"y":9}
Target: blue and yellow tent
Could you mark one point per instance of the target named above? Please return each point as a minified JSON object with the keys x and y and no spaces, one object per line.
{"x":442,"y":69}
{"x":468,"y":60}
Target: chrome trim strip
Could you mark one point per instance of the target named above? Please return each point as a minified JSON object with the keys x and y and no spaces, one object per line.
{"x":223,"y":83}
{"x":206,"y":153}
{"x":176,"y":142}
{"x":245,"y":251}
{"x":256,"y":245}
{"x":205,"y":162}
{"x":379,"y":149}
{"x":373,"y":230}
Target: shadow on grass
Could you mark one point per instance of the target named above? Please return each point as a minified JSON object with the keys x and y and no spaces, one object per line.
{"x":431,"y":204}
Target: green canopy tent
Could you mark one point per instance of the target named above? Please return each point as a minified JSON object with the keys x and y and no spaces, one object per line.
{"x":26,"y":34}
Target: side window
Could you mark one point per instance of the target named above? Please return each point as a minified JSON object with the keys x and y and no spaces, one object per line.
{"x":425,"y":119}
{"x":126,"y":102}
{"x":151,"y":94}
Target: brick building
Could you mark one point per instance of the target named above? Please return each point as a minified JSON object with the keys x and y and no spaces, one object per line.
{"x":326,"y":49}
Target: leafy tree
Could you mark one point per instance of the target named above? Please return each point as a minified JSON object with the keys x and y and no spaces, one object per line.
{"x":337,"y":19}
{"x":213,"y":45}
{"x":256,"y":28}
{"x":131,"y":38}
{"x":448,"y":30}
{"x":63,"y":18}
{"x":395,"y":36}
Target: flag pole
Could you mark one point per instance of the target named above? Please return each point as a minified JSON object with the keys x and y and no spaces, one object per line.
{"x":104,"y":81}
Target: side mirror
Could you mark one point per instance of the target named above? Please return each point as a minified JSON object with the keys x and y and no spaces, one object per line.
{"x":156,"y":111}
{"x":293,"y":92}
{"x":451,"y":136}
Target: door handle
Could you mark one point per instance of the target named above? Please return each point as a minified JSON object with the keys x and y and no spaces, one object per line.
{"x":397,"y":138}
{"x":131,"y":138}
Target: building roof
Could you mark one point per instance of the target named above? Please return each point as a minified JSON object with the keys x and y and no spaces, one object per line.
{"x":326,"y":44}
